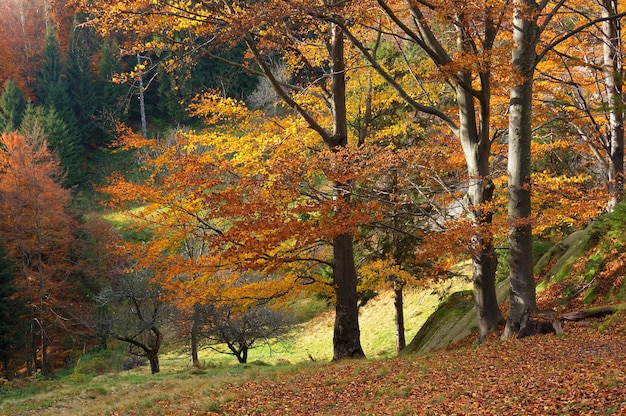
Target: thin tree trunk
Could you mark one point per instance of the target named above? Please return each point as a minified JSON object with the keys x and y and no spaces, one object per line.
{"x":142,"y":103}
{"x":194,"y":335}
{"x":613,"y":73}
{"x":398,"y":303}
{"x":522,"y":293}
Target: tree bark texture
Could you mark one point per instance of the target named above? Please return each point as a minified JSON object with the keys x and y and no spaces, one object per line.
{"x":613,"y":80}
{"x":476,"y":147}
{"x":522,"y":291}
{"x":347,"y":335}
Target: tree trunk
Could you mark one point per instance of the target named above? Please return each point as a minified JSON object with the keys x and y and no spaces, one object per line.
{"x":142,"y":103}
{"x":153,"y":357}
{"x":398,"y":304}
{"x":476,"y":148}
{"x":194,"y":335}
{"x":522,"y":283}
{"x":613,"y":73}
{"x":347,"y":336}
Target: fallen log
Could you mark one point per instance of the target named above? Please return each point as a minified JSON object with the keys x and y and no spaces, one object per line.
{"x":549,"y":322}
{"x":587,"y":314}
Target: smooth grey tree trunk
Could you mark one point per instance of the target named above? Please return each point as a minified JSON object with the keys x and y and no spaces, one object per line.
{"x":142,"y":102}
{"x":480,"y":190}
{"x":473,"y":132}
{"x":522,"y":283}
{"x":613,"y":80}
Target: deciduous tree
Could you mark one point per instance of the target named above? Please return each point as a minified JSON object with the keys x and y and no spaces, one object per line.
{"x":38,"y":233}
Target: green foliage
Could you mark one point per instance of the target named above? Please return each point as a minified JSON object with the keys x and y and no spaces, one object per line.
{"x":12,"y":328}
{"x":101,"y":362}
{"x":110,"y":106}
{"x":12,"y":106}
{"x":60,"y":140}
{"x":54,"y":95}
{"x":81,"y":87}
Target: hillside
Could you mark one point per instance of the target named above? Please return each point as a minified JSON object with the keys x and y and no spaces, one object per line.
{"x":582,"y":371}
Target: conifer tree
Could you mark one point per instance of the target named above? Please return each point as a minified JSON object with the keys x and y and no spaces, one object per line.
{"x":108,"y":93}
{"x":11,"y":310}
{"x":12,"y":106}
{"x":60,"y":140}
{"x":81,"y":86}
{"x":53,"y":95}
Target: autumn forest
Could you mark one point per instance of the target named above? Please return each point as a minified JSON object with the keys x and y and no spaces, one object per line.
{"x":177,"y":172}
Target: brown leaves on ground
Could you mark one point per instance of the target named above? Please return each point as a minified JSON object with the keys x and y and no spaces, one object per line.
{"x":581,"y":373}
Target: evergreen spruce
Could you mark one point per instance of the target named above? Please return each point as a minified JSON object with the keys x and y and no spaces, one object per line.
{"x":60,"y":141}
{"x":109,"y":107}
{"x":12,"y":106}
{"x":11,"y":313}
{"x":81,"y":86}
{"x":54,"y":96}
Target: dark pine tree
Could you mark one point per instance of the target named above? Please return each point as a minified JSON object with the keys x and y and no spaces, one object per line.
{"x":60,"y":140}
{"x":12,"y":328}
{"x":53,"y":95}
{"x":12,"y":106}
{"x":82,"y":87}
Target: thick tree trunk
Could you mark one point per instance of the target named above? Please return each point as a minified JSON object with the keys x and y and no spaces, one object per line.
{"x":613,"y":74}
{"x":153,"y":357}
{"x":398,"y":303}
{"x":476,"y":148}
{"x":347,"y":335}
{"x":522,"y":283}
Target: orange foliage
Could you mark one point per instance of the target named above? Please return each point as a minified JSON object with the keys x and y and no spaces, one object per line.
{"x":38,"y":233}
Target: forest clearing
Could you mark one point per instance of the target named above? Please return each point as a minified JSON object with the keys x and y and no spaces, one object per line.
{"x":371,"y":207}
{"x":582,"y":372}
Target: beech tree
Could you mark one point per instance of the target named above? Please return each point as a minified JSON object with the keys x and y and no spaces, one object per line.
{"x":264,"y":33}
{"x":476,"y":28}
{"x":532,"y":42}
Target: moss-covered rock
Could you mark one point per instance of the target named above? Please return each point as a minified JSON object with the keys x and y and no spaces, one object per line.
{"x":453,"y":320}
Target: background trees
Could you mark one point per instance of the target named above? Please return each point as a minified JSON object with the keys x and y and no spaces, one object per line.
{"x":338,"y":173}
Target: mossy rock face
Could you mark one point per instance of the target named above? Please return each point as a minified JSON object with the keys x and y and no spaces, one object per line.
{"x":453,"y":320}
{"x":443,"y":326}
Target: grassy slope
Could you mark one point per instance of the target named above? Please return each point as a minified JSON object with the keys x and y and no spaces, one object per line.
{"x":582,"y":372}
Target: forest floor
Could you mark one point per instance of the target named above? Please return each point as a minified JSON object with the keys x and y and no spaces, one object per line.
{"x":581,"y":372}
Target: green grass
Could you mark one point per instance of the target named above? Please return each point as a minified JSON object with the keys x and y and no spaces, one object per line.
{"x":376,"y":319}
{"x":89,"y":390}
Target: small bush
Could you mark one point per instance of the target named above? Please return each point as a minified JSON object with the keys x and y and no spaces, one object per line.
{"x":134,"y":361}
{"x":100,"y":362}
